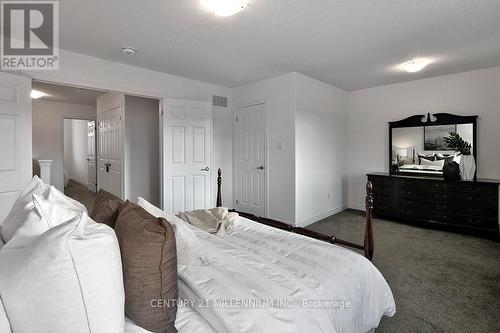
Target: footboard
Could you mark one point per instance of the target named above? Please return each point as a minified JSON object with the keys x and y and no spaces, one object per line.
{"x":368,"y":244}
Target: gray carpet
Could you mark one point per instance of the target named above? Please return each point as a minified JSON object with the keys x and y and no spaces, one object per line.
{"x":80,"y":193}
{"x":441,"y":281}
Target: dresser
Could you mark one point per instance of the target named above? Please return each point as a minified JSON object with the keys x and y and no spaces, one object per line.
{"x":471,"y":207}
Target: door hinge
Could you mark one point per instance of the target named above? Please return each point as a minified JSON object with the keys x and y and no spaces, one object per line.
{"x":236,"y":201}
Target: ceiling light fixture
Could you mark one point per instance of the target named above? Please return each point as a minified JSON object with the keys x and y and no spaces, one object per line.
{"x":128,"y":50}
{"x":36,"y":94}
{"x":415,"y":65}
{"x":224,"y":7}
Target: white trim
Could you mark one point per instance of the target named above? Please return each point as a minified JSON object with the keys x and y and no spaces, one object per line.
{"x":321,"y":216}
{"x":356,"y":206}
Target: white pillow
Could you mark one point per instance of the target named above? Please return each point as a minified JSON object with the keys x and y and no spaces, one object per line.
{"x":438,"y":163}
{"x":67,"y":280}
{"x":4,"y":321}
{"x":22,"y":209}
{"x":52,"y":208}
{"x":189,"y":248}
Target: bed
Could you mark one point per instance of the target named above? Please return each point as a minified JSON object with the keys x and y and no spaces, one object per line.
{"x":267,"y":276}
{"x":262,"y":276}
{"x":187,"y":321}
{"x":419,"y":168}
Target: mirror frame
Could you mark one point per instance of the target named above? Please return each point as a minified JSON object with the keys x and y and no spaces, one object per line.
{"x":428,"y":120}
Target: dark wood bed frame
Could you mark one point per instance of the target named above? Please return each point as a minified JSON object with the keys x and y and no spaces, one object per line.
{"x":367,"y":246}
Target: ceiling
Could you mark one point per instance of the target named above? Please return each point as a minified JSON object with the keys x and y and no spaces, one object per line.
{"x":65,"y":94}
{"x":351,"y":44}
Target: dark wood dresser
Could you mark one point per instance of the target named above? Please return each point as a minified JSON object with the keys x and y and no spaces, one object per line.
{"x":470,"y":207}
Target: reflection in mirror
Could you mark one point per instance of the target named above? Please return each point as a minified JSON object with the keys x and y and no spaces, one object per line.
{"x":423,"y":149}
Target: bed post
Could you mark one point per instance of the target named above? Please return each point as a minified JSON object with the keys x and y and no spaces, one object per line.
{"x":219,"y":183}
{"x":368,"y":244}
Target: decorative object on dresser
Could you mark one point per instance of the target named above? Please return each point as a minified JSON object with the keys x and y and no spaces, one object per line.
{"x":451,"y":171}
{"x":470,"y":207}
{"x":438,"y":140}
{"x":467,"y":161}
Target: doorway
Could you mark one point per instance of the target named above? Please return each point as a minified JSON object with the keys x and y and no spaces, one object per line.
{"x":79,"y":160}
{"x":113,"y":128}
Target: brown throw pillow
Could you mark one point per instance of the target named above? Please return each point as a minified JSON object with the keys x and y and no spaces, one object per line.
{"x":430,"y":157}
{"x":106,"y":208}
{"x":149,"y":260}
{"x":447,"y":158}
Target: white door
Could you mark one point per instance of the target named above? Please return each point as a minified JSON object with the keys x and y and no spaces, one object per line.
{"x":15,"y":139}
{"x":187,"y":139}
{"x":110,"y":151}
{"x":250,"y":159}
{"x":91,"y":159}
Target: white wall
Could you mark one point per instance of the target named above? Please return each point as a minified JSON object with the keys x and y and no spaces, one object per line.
{"x":141,"y":146}
{"x":48,"y":132}
{"x":320,"y":150}
{"x":279,"y":95}
{"x":470,"y":93}
{"x":75,"y":150}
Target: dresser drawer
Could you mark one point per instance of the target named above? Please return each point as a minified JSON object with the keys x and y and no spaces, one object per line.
{"x":408,"y":212}
{"x":407,"y":193}
{"x":446,"y":207}
{"x":407,"y":184}
{"x":442,"y":217}
{"x":472,"y":199}
{"x":476,"y":210}
{"x":384,"y":190}
{"x":476,"y":221}
{"x":439,"y":197}
{"x":439,"y":186}
{"x":479,"y":188}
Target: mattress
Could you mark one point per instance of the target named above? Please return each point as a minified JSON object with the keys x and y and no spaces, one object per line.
{"x":263,"y":279}
{"x":187,"y":321}
{"x":420,"y":168}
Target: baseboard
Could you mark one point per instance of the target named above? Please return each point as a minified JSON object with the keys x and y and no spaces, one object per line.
{"x":311,"y":220}
{"x":356,"y":206}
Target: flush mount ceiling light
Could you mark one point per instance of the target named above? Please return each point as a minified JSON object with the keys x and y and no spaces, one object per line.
{"x":36,"y":94}
{"x":224,"y":7}
{"x":415,"y":65}
{"x":128,"y":50}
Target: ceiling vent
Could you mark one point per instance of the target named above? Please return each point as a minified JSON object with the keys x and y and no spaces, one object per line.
{"x":219,"y":101}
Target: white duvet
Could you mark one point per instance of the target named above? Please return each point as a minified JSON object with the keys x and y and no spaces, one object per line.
{"x":262,"y":279}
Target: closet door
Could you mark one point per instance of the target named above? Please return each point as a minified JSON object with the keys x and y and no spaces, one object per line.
{"x":250,"y":159}
{"x":15,"y":139}
{"x":187,"y":140}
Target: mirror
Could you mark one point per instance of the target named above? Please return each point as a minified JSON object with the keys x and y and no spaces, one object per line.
{"x":418,"y":145}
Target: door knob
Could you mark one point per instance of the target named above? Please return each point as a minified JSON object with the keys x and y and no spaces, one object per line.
{"x":205,"y":169}
{"x":107,"y":166}
{"x":260,"y":167}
